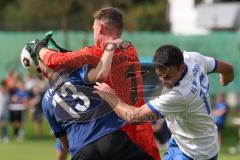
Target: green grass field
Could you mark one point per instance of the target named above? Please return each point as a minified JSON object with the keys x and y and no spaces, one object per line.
{"x":43,"y":148}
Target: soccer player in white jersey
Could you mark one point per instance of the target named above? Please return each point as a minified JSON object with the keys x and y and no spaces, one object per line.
{"x":185,"y":104}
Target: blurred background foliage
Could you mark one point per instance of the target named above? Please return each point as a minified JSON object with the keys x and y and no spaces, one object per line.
{"x":66,"y":15}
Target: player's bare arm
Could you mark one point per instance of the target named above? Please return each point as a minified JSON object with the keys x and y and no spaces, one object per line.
{"x":99,"y":73}
{"x":57,"y":60}
{"x":64,"y":142}
{"x":103,"y":68}
{"x":226,"y":72}
{"x":127,"y":112}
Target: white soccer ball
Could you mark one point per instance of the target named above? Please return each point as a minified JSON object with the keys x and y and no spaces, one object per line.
{"x":28,"y":62}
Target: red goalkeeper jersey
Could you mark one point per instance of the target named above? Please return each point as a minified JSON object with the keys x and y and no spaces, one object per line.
{"x":125,"y":78}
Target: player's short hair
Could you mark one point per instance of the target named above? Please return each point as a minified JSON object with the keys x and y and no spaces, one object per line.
{"x":111,"y":17}
{"x":168,"y":55}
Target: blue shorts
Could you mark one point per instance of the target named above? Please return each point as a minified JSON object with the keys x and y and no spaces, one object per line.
{"x":174,"y":152}
{"x":58,"y":145}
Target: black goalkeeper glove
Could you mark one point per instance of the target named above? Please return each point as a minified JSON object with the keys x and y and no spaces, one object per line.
{"x":41,"y":44}
{"x":34,"y":47}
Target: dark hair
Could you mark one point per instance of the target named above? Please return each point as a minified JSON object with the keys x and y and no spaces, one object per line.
{"x":168,"y":55}
{"x":111,"y":17}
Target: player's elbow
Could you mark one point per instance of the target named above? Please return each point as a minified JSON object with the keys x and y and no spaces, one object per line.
{"x":101,"y":77}
{"x":94,"y":76}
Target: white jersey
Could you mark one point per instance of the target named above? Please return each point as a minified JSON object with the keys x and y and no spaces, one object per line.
{"x":4,"y":104}
{"x":186,"y":108}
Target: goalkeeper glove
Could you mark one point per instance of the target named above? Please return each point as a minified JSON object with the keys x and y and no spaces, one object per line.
{"x":34,"y":47}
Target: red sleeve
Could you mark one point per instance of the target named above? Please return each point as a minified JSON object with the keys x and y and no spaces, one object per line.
{"x":88,"y":55}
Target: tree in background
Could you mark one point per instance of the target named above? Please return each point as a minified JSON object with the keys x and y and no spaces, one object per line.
{"x":77,"y":14}
{"x":148,"y":15}
{"x":64,"y":15}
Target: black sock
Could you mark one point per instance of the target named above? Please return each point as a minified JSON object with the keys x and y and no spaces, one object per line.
{"x":16,"y":131}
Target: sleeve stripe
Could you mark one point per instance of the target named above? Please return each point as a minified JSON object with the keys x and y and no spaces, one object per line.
{"x":153,"y":109}
{"x":215,"y":67}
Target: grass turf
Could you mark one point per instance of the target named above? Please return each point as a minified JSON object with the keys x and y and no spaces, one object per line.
{"x":43,"y":148}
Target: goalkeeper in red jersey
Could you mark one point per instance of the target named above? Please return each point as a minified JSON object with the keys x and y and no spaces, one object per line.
{"x":125,"y":71}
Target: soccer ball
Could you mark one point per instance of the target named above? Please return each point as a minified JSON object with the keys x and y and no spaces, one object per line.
{"x":28,"y":62}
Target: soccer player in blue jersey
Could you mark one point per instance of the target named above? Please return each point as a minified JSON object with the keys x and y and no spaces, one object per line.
{"x":220,"y":112}
{"x":83,"y":122}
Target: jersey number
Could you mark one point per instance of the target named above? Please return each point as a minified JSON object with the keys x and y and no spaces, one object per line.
{"x":131,"y":73}
{"x":74,"y":95}
{"x":204,"y":89}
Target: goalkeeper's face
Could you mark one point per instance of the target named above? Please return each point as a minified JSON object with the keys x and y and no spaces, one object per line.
{"x":96,"y":32}
{"x":102,"y":33}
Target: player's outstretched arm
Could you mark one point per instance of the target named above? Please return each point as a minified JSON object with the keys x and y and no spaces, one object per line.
{"x":126,"y":112}
{"x":57,"y":60}
{"x":226,"y":72}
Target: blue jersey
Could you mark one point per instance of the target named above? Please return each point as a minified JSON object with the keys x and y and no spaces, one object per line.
{"x":22,"y":95}
{"x":71,"y":107}
{"x":220,"y":120}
